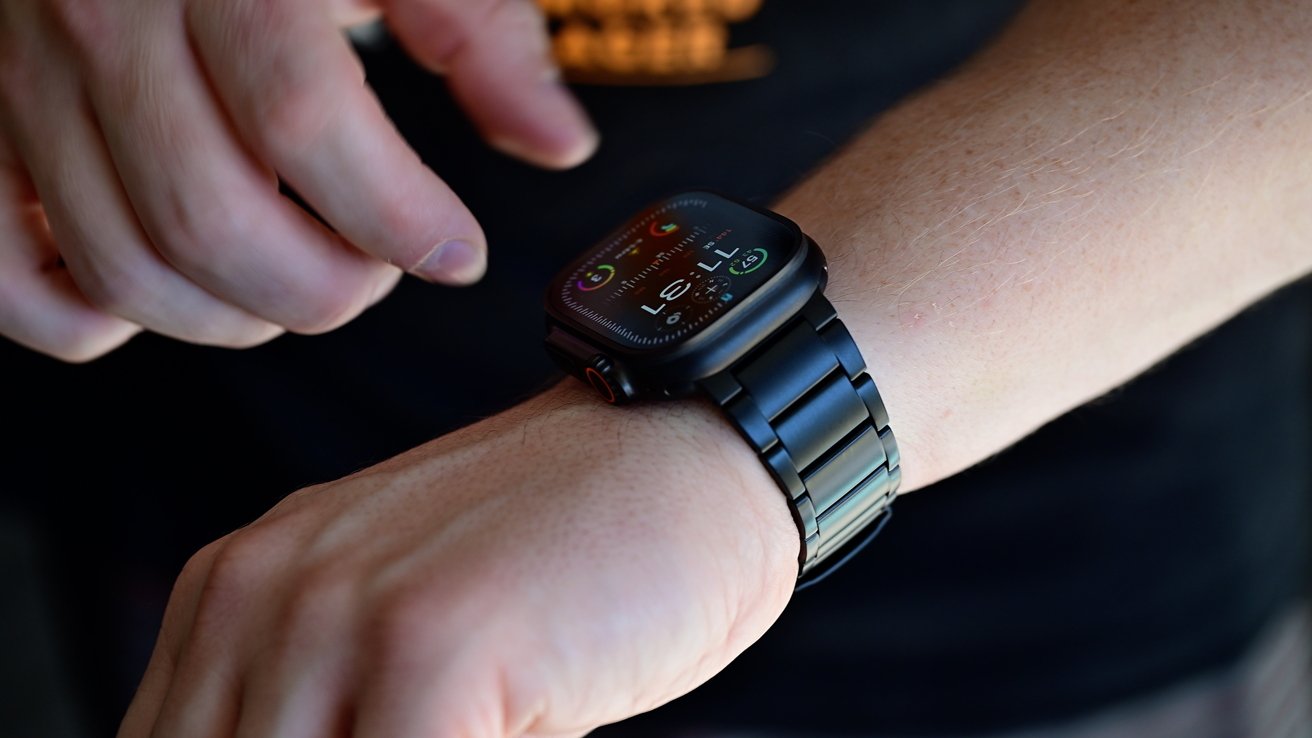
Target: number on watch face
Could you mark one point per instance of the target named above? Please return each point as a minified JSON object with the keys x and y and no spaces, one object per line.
{"x":693,"y":256}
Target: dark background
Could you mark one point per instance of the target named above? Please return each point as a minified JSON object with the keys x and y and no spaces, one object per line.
{"x":1142,"y":539}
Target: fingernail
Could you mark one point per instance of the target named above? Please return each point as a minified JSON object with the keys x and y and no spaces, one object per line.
{"x":453,"y":262}
{"x":584,"y":149}
{"x":562,"y":137}
{"x":574,"y":154}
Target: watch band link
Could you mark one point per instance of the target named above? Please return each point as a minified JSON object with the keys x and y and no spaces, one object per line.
{"x":804,"y":401}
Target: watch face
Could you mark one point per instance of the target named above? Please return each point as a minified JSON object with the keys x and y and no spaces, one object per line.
{"x":676,"y":268}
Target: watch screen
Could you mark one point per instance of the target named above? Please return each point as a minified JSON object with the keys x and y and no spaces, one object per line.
{"x":673,"y":270}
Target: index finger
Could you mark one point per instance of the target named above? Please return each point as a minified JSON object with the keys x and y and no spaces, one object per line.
{"x":297,"y":95}
{"x":498,"y":61}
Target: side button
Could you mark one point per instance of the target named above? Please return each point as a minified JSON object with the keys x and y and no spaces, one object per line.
{"x":609,"y":382}
{"x":600,"y":384}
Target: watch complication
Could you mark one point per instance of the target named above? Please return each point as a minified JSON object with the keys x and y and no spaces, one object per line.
{"x":700,"y":293}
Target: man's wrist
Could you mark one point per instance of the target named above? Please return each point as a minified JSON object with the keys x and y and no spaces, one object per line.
{"x":666,"y":440}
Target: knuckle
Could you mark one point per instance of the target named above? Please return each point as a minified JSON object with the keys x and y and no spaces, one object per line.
{"x":220,"y":241}
{"x":197,"y":568}
{"x":135,"y":293}
{"x":189,"y":581}
{"x":182,"y":243}
{"x":326,"y":307}
{"x":292,"y":117}
{"x":234,"y":571}
{"x":294,"y":502}
{"x":318,"y":600}
{"x":196,"y":234}
{"x":296,"y":96}
{"x":116,"y":292}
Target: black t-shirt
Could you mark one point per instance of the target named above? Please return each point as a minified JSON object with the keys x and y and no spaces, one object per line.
{"x":1137,"y":540}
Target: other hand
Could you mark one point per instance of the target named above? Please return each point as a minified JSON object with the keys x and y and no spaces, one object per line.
{"x":142,"y":142}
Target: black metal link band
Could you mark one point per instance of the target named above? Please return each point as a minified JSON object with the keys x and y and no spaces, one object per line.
{"x":804,"y":401}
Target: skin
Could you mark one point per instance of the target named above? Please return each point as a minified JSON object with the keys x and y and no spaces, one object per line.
{"x":1102,"y":185}
{"x":386,"y":605}
{"x":142,"y":142}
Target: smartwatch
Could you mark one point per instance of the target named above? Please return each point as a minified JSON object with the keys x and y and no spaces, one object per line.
{"x":700,"y":293}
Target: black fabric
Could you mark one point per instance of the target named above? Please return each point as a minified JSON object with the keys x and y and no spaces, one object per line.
{"x":1139,"y":540}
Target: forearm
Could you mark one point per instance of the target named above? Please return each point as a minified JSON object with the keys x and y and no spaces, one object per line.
{"x":1088,"y":195}
{"x":1085,"y":197}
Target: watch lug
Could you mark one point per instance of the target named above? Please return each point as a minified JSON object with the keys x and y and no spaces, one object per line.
{"x":818,"y":311}
{"x":609,"y":378}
